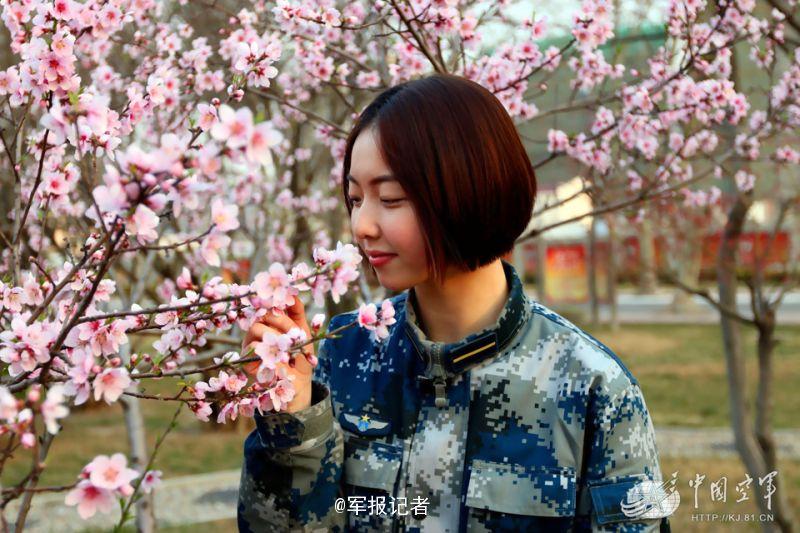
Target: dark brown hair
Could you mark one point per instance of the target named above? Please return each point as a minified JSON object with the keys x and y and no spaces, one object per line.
{"x":456,"y":152}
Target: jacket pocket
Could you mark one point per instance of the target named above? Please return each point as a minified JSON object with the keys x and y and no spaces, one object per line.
{"x":371,"y":464}
{"x":522,"y":490}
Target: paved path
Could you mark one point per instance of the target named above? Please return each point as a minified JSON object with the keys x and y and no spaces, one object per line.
{"x":717,"y":442}
{"x":207,"y":497}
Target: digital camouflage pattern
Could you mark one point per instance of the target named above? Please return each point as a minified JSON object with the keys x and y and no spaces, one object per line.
{"x":530,"y":425}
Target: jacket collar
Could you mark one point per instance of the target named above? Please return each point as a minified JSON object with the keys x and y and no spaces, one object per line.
{"x":446,"y":360}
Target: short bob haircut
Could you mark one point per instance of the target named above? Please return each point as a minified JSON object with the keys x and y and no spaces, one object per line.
{"x":456,"y":152}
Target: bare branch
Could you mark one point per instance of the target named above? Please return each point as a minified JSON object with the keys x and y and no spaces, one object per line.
{"x":703,"y":293}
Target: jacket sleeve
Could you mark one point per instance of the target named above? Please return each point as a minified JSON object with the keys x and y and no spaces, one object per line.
{"x":293,"y":465}
{"x":625,"y":485}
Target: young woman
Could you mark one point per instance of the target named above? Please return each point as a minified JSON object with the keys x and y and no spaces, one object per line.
{"x":483,"y":410}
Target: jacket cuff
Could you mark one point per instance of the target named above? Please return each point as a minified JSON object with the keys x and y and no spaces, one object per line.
{"x":286,"y":430}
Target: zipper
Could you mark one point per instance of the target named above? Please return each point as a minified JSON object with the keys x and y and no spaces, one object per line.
{"x":438,"y":378}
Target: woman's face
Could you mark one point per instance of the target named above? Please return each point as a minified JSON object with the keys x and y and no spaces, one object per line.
{"x":383,"y":219}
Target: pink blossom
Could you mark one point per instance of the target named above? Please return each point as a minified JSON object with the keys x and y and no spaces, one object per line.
{"x":234,"y":127}
{"x":156,"y":89}
{"x":262,"y":139}
{"x":79,"y":384}
{"x":557,"y":141}
{"x":787,"y":154}
{"x":301,"y":275}
{"x":317,"y":322}
{"x":170,"y":319}
{"x":110,"y":199}
{"x":98,"y":337}
{"x":31,"y":290}
{"x":745,"y":181}
{"x":64,"y":9}
{"x":170,"y":341}
{"x":143,"y":224}
{"x":58,"y":125}
{"x":28,"y":439}
{"x":224,"y":217}
{"x":367,"y":315}
{"x":110,"y":384}
{"x":150,"y":480}
{"x":111,"y":473}
{"x":229,"y":410}
{"x":9,"y":81}
{"x":272,"y":349}
{"x":53,"y":408}
{"x":211,"y":245}
{"x":377,"y":322}
{"x":184,"y":280}
{"x":344,"y":260}
{"x":90,"y":499}
{"x":274,"y":287}
{"x":24,"y":346}
{"x":283,"y":392}
{"x":202,"y":410}
{"x":207,"y":116}
{"x":11,"y":298}
{"x":230,"y":382}
{"x":57,"y":183}
{"x":8,"y":405}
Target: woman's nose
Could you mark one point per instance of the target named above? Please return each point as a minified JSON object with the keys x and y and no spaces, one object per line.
{"x":365,"y":223}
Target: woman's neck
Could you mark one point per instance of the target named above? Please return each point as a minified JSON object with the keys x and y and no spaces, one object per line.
{"x":465,"y":303}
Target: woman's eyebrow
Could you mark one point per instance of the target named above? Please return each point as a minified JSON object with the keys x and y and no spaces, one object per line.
{"x":374,"y":181}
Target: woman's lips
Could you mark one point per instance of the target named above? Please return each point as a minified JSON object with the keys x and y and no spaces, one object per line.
{"x":380,"y":260}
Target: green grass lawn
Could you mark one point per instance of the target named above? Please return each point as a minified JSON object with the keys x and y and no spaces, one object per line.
{"x":683,"y":376}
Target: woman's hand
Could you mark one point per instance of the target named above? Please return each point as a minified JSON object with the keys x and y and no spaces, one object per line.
{"x":299,"y":367}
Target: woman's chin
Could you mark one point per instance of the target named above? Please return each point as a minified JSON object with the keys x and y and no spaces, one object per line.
{"x":393,"y":283}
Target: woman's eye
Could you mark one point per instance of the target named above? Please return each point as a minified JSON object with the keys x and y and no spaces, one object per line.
{"x":355,"y":200}
{"x":392,"y":200}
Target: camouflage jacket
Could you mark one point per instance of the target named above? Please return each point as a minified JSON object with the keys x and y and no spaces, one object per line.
{"x":529,"y":425}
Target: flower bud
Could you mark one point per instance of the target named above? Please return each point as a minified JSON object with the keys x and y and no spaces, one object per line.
{"x":34,"y":394}
{"x":28,"y":440}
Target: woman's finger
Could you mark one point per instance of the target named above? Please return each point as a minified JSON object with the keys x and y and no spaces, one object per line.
{"x":256,"y":333}
{"x":301,"y":363}
{"x":280,"y":322}
{"x":297,"y":312}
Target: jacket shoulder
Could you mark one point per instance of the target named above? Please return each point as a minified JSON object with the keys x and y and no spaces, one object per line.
{"x":583,"y":353}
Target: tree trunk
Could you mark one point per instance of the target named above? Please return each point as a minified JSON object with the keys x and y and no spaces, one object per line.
{"x":687,"y":270}
{"x":647,"y":259}
{"x":134,"y":423}
{"x":747,"y":445}
{"x":764,"y":408}
{"x":764,"y":400}
{"x":134,"y":419}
